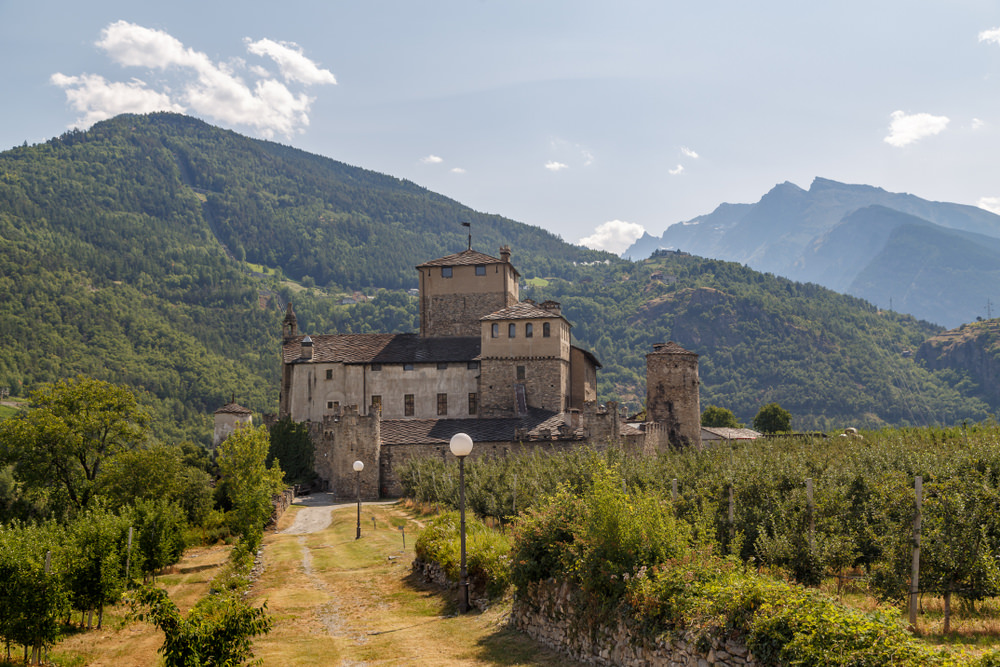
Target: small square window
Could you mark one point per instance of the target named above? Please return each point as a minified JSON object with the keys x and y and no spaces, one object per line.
{"x":442,"y":365}
{"x":376,"y":367}
{"x":480,"y":269}
{"x":446,"y":272}
{"x":473,"y":366}
{"x":377,"y":403}
{"x":520,"y":372}
{"x":442,"y":404}
{"x":333,"y":405}
{"x":407,"y":367}
{"x":329,"y":373}
{"x":408,"y":405}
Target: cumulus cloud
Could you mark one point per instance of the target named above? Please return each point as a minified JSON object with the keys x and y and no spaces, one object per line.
{"x":991,"y":35}
{"x":679,"y":169}
{"x":614,"y":236}
{"x":905,"y":129}
{"x":991,"y":204}
{"x":432,"y":159}
{"x":689,"y":153}
{"x":556,"y":166}
{"x":457,"y":170}
{"x":215,"y":90}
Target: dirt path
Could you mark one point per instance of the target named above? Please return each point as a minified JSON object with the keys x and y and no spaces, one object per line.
{"x":356,"y":602}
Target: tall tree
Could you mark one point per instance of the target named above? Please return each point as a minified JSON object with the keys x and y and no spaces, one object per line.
{"x":74,"y":426}
{"x":250,"y":484}
{"x":717,"y":417}
{"x":772,"y":418}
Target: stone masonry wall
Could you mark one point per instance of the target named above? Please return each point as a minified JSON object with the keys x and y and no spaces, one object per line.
{"x":554,"y":614}
{"x":458,"y":314}
{"x":339,"y":441}
{"x":672,"y":396}
{"x":546,"y":385}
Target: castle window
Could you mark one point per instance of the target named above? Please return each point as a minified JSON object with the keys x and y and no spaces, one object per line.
{"x":376,"y":367}
{"x":442,"y":365}
{"x":332,"y":405}
{"x":480,"y":269}
{"x":376,"y":404}
{"x":546,"y":330}
{"x":408,"y":405}
{"x":473,"y":366}
{"x":442,"y":404}
{"x":446,"y":272}
{"x":329,"y":373}
{"x":407,"y":367}
{"x":473,"y":403}
{"x":511,"y":330}
{"x":529,"y":330}
{"x":520,"y":372}
{"x":495,"y":331}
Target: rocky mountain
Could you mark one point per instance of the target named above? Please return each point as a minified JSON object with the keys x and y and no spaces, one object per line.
{"x":934,"y":260}
{"x":972,"y":353}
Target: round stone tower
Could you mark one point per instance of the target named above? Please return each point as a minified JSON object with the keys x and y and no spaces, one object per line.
{"x":672,"y":393}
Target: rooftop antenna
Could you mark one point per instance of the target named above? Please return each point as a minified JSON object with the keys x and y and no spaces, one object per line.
{"x":469,"y":225}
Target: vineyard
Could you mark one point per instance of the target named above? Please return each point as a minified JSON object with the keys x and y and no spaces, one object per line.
{"x":814,"y":510}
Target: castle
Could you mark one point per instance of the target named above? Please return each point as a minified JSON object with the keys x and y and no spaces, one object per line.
{"x":504,"y":371}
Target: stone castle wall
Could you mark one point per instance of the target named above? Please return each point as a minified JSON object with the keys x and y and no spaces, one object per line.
{"x":672,"y":388}
{"x":458,"y":314}
{"x":546,"y":385}
{"x":339,"y":441}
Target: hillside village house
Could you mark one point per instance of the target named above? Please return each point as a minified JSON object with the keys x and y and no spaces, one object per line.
{"x":502,"y":370}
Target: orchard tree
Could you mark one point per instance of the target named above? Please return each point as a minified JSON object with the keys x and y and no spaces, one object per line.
{"x":249,"y":483}
{"x":717,"y":417}
{"x":74,"y":426}
{"x":772,"y":418}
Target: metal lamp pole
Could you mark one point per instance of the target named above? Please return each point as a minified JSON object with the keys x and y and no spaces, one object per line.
{"x":461,"y":446}
{"x":358,"y":467}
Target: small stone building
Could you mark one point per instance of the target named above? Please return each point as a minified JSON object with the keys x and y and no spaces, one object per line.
{"x":485,"y":363}
{"x":228,"y":418}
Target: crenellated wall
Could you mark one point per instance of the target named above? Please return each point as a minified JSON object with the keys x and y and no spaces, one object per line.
{"x":339,"y":441}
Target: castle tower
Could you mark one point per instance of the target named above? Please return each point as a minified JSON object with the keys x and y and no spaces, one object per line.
{"x":672,"y":393}
{"x":290,"y":325}
{"x":228,"y":418}
{"x":457,"y":290}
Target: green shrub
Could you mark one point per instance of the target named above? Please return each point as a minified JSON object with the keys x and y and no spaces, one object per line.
{"x":487,"y":551}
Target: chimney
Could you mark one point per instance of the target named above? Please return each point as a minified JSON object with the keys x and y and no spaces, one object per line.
{"x":505,"y":254}
{"x":289,"y":326}
{"x":552,"y":306}
{"x":307,"y":348}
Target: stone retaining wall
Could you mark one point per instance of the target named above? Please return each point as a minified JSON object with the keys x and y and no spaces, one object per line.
{"x":554,"y":614}
{"x":279,"y":504}
{"x":434,"y":574}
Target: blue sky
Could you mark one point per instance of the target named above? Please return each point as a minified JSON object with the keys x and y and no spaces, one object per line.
{"x":595,"y":120}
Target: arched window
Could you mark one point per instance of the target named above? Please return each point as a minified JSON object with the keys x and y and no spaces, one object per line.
{"x":529,"y":330}
{"x":495,"y":331}
{"x":546,"y":330}
{"x":511,"y":330}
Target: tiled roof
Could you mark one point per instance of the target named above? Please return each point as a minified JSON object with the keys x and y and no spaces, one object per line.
{"x":589,"y":355}
{"x":233,"y":409}
{"x":439,"y":431}
{"x":383,"y":348}
{"x":464,"y":258}
{"x":670,"y":348}
{"x":724,"y":433}
{"x":521,"y":311}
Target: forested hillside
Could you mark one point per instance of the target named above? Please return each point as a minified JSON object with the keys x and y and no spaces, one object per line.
{"x":128,"y":249}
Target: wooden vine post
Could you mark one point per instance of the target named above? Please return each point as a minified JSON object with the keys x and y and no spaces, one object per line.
{"x":918,"y":489}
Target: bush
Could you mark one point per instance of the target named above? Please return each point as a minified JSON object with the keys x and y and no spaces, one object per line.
{"x":487,"y":551}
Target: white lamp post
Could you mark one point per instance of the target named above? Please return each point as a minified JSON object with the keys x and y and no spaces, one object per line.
{"x":461,"y":446}
{"x":358,"y":467}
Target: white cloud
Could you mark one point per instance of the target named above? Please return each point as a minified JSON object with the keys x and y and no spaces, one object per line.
{"x":457,"y":170}
{"x":212,"y":89}
{"x":293,"y":64}
{"x":555,"y":166}
{"x":977,"y":123}
{"x":588,"y":157}
{"x":679,"y":169}
{"x":906,"y":129}
{"x":991,"y":204}
{"x":432,"y":159}
{"x":688,"y":152}
{"x":614,"y":236}
{"x":98,"y":99}
{"x":992,"y":35}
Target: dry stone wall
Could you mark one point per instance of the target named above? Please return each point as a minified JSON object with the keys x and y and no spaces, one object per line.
{"x":554,"y":614}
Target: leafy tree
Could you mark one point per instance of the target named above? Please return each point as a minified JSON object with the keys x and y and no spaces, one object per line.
{"x":714,"y":416}
{"x":250,"y":483}
{"x":293,"y":449}
{"x":96,"y":557}
{"x":158,"y":536}
{"x":772,"y":418}
{"x":218,"y":631}
{"x":74,"y":427}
